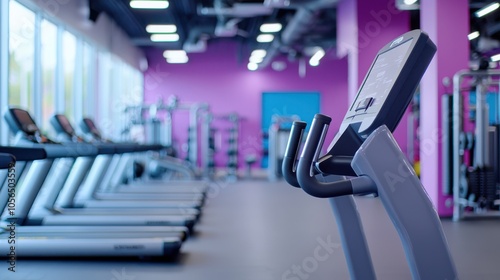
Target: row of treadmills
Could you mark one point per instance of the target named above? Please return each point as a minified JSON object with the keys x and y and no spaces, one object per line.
{"x":69,"y":198}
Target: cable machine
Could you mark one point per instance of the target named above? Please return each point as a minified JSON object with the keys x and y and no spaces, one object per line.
{"x":158,"y":127}
{"x":279,"y":132}
{"x":471,"y":143}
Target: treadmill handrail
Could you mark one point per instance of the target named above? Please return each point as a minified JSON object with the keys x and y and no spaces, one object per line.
{"x":24,"y":154}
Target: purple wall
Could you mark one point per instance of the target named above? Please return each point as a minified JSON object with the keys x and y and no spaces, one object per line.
{"x":446,"y":22}
{"x":363,"y":28}
{"x":216,"y":77}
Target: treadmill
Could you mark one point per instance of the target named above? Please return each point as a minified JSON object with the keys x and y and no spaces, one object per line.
{"x":63,"y":193}
{"x":365,"y":150}
{"x":20,"y":119}
{"x":39,"y":241}
{"x":21,"y":123}
{"x":66,"y":133}
{"x":92,"y":133}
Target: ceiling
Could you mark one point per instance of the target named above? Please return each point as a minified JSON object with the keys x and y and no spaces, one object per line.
{"x":307,"y":24}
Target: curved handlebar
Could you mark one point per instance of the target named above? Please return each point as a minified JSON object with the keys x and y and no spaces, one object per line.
{"x":291,"y":153}
{"x":305,"y":172}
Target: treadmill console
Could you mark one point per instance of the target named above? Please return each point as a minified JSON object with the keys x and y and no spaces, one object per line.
{"x":64,"y":129}
{"x":25,"y":122}
{"x":88,"y":126}
{"x":21,"y":121}
{"x":64,"y":124}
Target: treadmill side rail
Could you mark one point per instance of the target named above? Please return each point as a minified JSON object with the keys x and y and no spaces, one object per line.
{"x":84,"y":247}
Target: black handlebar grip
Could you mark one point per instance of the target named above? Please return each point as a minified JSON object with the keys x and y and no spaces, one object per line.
{"x":305,"y":175}
{"x":291,"y":153}
{"x":7,"y":160}
{"x":24,"y":153}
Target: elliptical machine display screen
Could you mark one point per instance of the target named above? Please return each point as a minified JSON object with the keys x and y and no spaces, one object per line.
{"x":380,"y":79}
{"x":388,"y":87}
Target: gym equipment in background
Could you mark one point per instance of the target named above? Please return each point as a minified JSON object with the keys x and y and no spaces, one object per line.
{"x":47,"y":241}
{"x":62,"y":172}
{"x":364,"y":147}
{"x":471,"y":167}
{"x":227,"y":130}
{"x":158,"y":129}
{"x":279,"y":132}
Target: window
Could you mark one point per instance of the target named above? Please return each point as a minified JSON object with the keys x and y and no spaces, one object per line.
{"x":104,"y":82}
{"x":52,"y":69}
{"x":21,"y":56}
{"x":49,"y":62}
{"x":87,"y":81}
{"x":68,"y":65}
{"x":130,"y":94}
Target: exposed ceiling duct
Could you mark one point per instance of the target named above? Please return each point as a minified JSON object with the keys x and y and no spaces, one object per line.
{"x":200,"y":22}
{"x":228,"y":16}
{"x":197,"y":38}
{"x":297,"y":27}
{"x":239,"y":10}
{"x":292,"y":4}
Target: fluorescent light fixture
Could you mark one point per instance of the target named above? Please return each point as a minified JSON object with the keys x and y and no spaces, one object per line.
{"x":270,"y":27}
{"x":252,"y":66}
{"x":256,"y":59}
{"x":176,"y":56}
{"x":161,"y":28}
{"x":174,"y":53}
{"x":149,"y":4}
{"x":487,"y":9}
{"x":473,"y":35}
{"x":410,"y":2}
{"x":265,"y":38}
{"x":177,"y":60}
{"x":165,"y":37}
{"x":496,"y":57}
{"x":259,"y":53}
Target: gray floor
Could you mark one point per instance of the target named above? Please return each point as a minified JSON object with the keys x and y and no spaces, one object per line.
{"x":261,"y":231}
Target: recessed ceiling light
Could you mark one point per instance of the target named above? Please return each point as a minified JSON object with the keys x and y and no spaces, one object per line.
{"x":265,"y":38}
{"x":149,"y":4}
{"x":252,"y":66}
{"x":487,"y":9}
{"x":161,"y":28}
{"x":270,"y":27}
{"x":165,"y":37}
{"x":177,"y":60}
{"x":174,"y":53}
